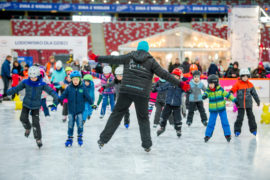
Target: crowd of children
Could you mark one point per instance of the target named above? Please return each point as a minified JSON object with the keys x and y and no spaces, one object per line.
{"x":75,"y":90}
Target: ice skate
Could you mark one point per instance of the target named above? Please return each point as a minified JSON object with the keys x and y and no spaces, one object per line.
{"x":178,"y":133}
{"x":147,"y":149}
{"x":206,"y":139}
{"x":254,"y":133}
{"x":80,"y":140}
{"x":204,"y":123}
{"x":100,"y":144}
{"x":39,"y":143}
{"x":160,"y":131}
{"x":188,"y":123}
{"x":228,"y":138}
{"x":69,"y":142}
{"x":27,"y":132}
{"x":237,"y":134}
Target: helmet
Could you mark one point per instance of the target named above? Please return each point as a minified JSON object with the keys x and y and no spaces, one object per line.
{"x":196,"y":73}
{"x":88,"y":77}
{"x":34,"y":71}
{"x":59,"y":64}
{"x":213,"y":79}
{"x":244,"y":72}
{"x":75,"y":74}
{"x":119,"y":70}
{"x":193,"y":67}
{"x":68,"y":68}
{"x":15,"y":71}
{"x":177,"y":72}
{"x":107,"y":69}
{"x":42,"y":72}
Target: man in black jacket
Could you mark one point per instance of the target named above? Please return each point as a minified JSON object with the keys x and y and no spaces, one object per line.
{"x":139,"y":68}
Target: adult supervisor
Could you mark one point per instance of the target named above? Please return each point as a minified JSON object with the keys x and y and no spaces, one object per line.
{"x":139,"y":68}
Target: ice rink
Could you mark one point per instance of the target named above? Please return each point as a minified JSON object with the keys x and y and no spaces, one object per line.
{"x":245,"y":157}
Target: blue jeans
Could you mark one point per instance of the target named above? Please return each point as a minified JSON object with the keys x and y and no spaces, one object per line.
{"x":44,"y":106}
{"x":105,"y":101}
{"x":212,"y":122}
{"x":71,"y":121}
{"x":87,"y":111}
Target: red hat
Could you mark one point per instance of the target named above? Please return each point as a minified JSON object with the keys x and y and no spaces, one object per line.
{"x":177,"y":72}
{"x":193,"y":67}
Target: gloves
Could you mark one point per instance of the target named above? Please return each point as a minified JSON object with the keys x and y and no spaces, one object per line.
{"x":237,"y":103}
{"x":204,"y":97}
{"x":184,"y":86}
{"x":101,"y":90}
{"x":53,"y":107}
{"x":94,"y":106}
{"x":94,"y":57}
{"x":154,"y":90}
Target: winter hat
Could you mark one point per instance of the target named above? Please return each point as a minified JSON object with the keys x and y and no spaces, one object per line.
{"x":143,"y":45}
{"x":59,"y":64}
{"x":15,"y":71}
{"x":107,"y":69}
{"x":236,"y":63}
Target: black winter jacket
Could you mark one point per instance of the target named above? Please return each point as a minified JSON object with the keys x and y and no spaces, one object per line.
{"x":139,"y":68}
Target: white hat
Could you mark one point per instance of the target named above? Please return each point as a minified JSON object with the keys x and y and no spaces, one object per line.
{"x":107,"y":69}
{"x":59,"y":64}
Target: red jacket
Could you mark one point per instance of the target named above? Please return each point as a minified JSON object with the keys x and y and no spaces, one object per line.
{"x":15,"y":80}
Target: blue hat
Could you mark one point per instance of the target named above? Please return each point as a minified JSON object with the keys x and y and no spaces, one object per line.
{"x":143,"y":45}
{"x":75,"y":74}
{"x":15,"y":71}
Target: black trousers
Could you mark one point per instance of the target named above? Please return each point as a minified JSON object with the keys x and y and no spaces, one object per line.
{"x":192,"y":107}
{"x":240,"y":117}
{"x":121,"y":107}
{"x":35,"y":121}
{"x":167,"y":111}
{"x":159,"y":108}
{"x":126,"y":117}
{"x":6,"y":84}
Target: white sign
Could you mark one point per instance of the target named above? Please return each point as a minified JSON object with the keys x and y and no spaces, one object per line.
{"x":244,"y":37}
{"x":78,"y":44}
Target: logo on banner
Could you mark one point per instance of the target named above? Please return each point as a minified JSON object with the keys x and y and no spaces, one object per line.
{"x":121,"y":7}
{"x":5,"y":5}
{"x":178,"y":8}
{"x":64,"y":7}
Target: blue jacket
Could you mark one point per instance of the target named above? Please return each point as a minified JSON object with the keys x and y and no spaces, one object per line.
{"x":58,"y":76}
{"x":33,"y":91}
{"x":196,"y":94}
{"x":213,"y":69}
{"x":76,"y":95}
{"x":5,"y":69}
{"x":91,"y":90}
{"x":174,"y":94}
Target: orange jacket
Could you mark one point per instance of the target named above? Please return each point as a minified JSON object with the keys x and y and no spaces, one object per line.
{"x":245,"y":91}
{"x":48,"y":68}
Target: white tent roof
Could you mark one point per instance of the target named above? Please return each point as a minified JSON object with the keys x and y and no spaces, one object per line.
{"x":180,"y":39}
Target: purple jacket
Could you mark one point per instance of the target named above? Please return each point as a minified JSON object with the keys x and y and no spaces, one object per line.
{"x":105,"y":81}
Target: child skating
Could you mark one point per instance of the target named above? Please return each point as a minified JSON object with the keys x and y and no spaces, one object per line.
{"x":195,"y":98}
{"x":245,"y":91}
{"x":90,"y":87}
{"x":76,"y":94}
{"x":116,"y":83}
{"x":107,"y":93}
{"x":217,"y":106}
{"x":173,"y":103}
{"x":32,"y":101}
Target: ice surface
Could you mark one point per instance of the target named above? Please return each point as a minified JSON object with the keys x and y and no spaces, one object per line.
{"x":246,"y":157}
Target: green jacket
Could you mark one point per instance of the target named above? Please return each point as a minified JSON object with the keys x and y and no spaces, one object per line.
{"x":216,"y":99}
